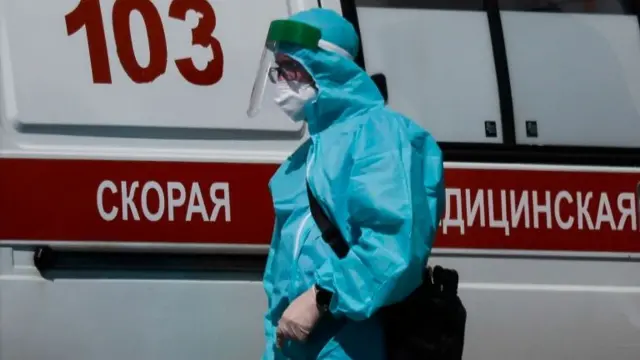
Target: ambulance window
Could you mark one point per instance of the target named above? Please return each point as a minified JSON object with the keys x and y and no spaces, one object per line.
{"x":438,"y":61}
{"x":575,"y":71}
{"x":136,"y":64}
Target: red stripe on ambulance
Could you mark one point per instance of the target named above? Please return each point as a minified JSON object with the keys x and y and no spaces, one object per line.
{"x":135,"y":201}
{"x":541,"y":210}
{"x":224,"y":203}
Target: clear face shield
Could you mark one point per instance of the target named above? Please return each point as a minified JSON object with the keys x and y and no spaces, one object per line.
{"x":281,"y":32}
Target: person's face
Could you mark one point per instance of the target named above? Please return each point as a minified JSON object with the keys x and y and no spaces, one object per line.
{"x":287,"y":69}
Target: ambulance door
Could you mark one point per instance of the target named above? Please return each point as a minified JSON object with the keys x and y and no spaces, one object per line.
{"x":536,"y":104}
{"x":135,"y":214}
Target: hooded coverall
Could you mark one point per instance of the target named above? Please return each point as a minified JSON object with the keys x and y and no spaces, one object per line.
{"x":379,"y":177}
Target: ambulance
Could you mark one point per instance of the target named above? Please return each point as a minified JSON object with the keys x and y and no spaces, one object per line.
{"x":135,"y":215}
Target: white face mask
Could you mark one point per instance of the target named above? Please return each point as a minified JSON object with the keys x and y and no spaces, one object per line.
{"x":292,"y":96}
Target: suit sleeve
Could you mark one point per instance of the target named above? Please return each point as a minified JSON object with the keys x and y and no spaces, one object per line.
{"x":387,"y":258}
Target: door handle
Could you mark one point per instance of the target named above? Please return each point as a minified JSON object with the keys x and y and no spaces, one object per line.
{"x":46,"y":259}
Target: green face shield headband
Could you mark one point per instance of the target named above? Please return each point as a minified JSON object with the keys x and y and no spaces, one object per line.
{"x":284,"y":32}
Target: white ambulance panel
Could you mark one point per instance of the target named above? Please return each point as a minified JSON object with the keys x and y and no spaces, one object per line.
{"x":133,"y":102}
{"x":158,"y":316}
{"x":165,"y":63}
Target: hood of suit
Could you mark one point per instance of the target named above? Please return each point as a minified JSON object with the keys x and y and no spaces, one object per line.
{"x":344,"y":88}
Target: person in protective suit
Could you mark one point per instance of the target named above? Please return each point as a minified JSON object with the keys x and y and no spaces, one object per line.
{"x":375,"y":173}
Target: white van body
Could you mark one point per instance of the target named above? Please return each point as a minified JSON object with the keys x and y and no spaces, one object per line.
{"x":125,"y":149}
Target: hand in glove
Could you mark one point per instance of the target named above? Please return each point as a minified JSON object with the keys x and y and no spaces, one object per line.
{"x":299,"y":319}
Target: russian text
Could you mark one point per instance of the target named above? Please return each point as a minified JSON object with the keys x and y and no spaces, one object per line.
{"x":171,"y":201}
{"x":510,"y":209}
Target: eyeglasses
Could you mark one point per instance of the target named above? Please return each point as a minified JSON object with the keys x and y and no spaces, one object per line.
{"x":288,"y":71}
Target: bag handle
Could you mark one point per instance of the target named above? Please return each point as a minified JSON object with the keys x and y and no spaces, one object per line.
{"x":330,"y":233}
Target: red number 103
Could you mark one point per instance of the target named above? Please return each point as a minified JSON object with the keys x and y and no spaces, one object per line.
{"x":88,"y":15}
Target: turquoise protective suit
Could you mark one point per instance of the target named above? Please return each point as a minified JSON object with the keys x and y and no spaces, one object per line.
{"x":379,"y":176}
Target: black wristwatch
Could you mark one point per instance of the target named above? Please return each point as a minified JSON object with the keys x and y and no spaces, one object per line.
{"x":323,"y":299}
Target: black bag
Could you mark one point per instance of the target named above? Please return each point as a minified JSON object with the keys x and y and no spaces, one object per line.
{"x":429,"y":324}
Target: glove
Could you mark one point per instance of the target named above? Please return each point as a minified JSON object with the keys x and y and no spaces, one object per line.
{"x":299,"y":319}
